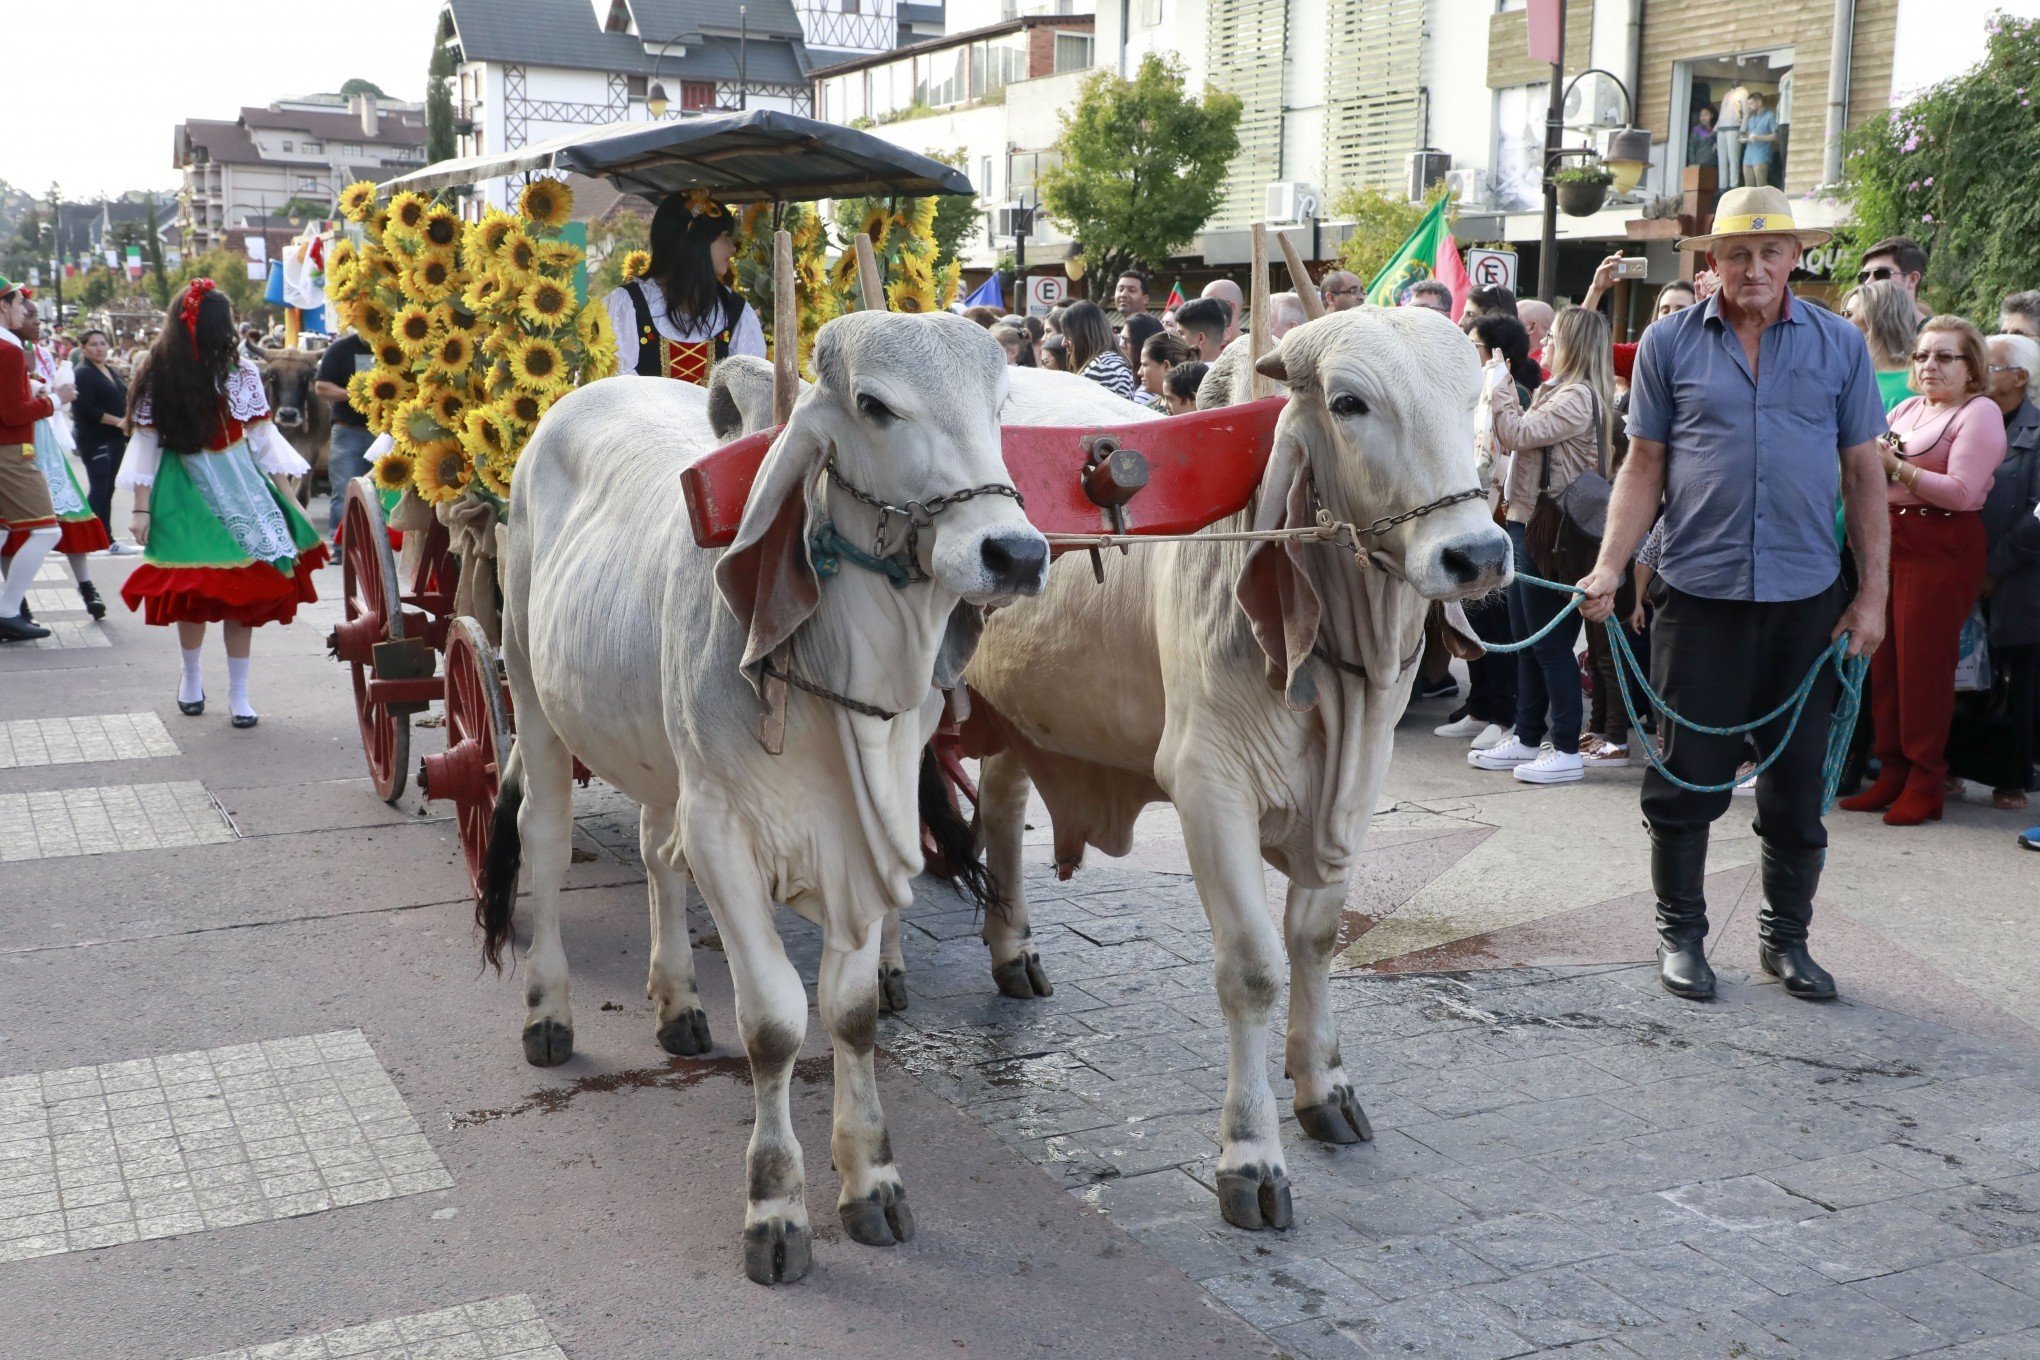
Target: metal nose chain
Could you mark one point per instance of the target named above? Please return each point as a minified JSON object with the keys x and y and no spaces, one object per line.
{"x":918,"y":515}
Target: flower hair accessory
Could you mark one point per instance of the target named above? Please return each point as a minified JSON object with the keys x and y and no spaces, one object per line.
{"x":188,"y":311}
{"x":701,"y":203}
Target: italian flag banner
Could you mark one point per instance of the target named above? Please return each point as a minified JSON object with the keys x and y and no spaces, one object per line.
{"x":1429,"y":253}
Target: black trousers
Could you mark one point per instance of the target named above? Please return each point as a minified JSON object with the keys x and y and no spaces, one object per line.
{"x":101,"y":466}
{"x":1491,"y":696}
{"x":1724,"y":662}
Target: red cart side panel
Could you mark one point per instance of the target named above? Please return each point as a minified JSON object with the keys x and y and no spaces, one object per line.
{"x":1202,"y":467}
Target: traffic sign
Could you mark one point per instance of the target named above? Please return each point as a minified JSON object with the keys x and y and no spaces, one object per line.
{"x":1492,"y":268}
{"x":1046,"y":291}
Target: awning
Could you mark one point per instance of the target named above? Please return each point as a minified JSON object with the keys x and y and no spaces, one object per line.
{"x":759,"y":156}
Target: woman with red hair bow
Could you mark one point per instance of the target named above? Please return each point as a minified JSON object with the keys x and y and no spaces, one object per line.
{"x":223,"y":543}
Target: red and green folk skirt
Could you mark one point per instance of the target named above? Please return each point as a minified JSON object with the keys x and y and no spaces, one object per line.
{"x":78,"y":529}
{"x":225,"y":546}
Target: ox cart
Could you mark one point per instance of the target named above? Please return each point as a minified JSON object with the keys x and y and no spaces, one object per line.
{"x":407,"y":647}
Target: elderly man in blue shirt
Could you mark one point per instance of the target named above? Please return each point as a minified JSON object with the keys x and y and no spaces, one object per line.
{"x":1748,"y":417}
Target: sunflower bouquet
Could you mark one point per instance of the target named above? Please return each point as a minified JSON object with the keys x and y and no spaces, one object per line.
{"x":815,"y":296}
{"x":902,"y":233}
{"x":476,"y":329}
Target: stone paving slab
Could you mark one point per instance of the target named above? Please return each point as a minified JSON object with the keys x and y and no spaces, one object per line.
{"x":70,"y":741}
{"x":107,"y":819}
{"x":69,"y":634}
{"x":1566,"y":1160}
{"x":155,"y":1147}
{"x":53,"y":600}
{"x":497,"y":1329}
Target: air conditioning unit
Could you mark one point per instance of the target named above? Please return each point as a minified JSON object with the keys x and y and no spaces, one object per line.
{"x":1470,"y":186}
{"x":1424,"y":169}
{"x":1293,"y":201}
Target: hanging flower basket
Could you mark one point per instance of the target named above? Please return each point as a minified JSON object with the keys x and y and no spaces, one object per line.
{"x":1582,"y":189}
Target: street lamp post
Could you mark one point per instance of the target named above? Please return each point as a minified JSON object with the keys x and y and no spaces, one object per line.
{"x":1628,"y":156}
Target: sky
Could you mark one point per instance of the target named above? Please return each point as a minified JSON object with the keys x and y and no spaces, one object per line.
{"x":115,"y":76}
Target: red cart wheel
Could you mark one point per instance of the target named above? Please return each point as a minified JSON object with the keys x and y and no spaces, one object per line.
{"x":375,"y":615}
{"x":478,"y":737}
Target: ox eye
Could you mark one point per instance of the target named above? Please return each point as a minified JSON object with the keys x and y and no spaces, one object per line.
{"x":874,"y":408}
{"x":1346,"y":406}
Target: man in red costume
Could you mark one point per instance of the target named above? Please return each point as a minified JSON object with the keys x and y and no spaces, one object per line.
{"x":25,"y":504}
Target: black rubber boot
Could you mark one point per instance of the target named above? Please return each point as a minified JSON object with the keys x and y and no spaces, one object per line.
{"x":89,"y":593}
{"x":1678,"y":875}
{"x":1790,"y":880}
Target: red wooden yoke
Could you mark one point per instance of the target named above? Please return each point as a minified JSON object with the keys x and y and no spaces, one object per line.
{"x":1197,"y":468}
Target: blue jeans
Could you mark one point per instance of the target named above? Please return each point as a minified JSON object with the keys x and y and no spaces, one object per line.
{"x":1547,"y":674}
{"x":346,"y":459}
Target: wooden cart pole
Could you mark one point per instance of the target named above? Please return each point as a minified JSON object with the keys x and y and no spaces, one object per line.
{"x":785,"y":329}
{"x":1258,"y":343}
{"x":1299,"y":279}
{"x":870,"y":282}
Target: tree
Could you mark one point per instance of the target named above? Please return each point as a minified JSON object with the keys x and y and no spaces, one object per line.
{"x":359,"y":86}
{"x":1382,"y":220}
{"x":1957,"y":168}
{"x":24,"y":249}
{"x":1142,"y":165}
{"x":159,"y":284}
{"x":439,"y":139}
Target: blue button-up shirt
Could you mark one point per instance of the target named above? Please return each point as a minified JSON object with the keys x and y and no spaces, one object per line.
{"x":1751,"y":467}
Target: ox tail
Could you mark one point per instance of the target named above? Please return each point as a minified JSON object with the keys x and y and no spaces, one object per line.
{"x":497,"y":902}
{"x":958,"y":862}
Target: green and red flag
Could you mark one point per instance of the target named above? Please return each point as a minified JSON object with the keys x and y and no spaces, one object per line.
{"x":1428,"y":253}
{"x":1175,"y":298}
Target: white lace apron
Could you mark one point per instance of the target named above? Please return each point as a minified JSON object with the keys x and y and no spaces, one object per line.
{"x":49,"y":460}
{"x":239,"y":497}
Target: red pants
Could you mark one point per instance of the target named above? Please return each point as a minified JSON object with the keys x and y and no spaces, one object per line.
{"x":1936,"y":575}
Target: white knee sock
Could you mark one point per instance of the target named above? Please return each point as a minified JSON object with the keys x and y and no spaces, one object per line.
{"x":191,"y":686}
{"x":237,"y":687}
{"x":81,"y":570}
{"x":27,"y":562}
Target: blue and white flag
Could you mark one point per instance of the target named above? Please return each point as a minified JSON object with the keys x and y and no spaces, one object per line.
{"x":987,"y":294}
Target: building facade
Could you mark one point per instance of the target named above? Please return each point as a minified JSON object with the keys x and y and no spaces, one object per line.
{"x":300,"y":151}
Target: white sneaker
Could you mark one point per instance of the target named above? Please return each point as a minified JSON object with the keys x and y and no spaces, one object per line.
{"x":1600,"y":751}
{"x":1504,"y":755}
{"x":122,"y":550}
{"x":1552,"y":767}
{"x":1491,"y":736}
{"x":1465,"y":727}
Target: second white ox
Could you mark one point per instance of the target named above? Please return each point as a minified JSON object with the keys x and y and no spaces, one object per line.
{"x":649,"y":658}
{"x":1255,"y":687}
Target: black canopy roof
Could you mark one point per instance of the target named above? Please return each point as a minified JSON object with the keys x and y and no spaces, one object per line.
{"x":758,"y":156}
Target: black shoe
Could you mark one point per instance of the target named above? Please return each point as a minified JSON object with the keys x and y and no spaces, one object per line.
{"x":89,"y":593}
{"x":1790,"y":878}
{"x":192,"y":710}
{"x":1444,"y":689}
{"x":19,"y":630}
{"x":24,"y":614}
{"x":245,"y":720}
{"x":1678,"y":875}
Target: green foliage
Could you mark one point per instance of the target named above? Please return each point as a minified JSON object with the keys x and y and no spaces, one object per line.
{"x":298,"y":209}
{"x":608,"y":242}
{"x":1583,"y":172}
{"x":1957,"y":168}
{"x":360,"y":86}
{"x":956,"y":215}
{"x":439,"y":139}
{"x":25,"y":248}
{"x":152,"y":247}
{"x":1382,"y":220}
{"x":228,"y":269}
{"x":1142,"y":165}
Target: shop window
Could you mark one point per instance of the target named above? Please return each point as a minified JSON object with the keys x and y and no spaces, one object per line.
{"x":1737,"y":115}
{"x":1519,"y":146}
{"x":697,"y":95}
{"x":1072,"y":52}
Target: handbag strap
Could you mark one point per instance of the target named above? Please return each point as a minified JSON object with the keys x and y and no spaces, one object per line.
{"x":1600,"y":433}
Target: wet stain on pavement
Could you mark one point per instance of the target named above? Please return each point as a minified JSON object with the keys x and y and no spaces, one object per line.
{"x":678,"y":1074}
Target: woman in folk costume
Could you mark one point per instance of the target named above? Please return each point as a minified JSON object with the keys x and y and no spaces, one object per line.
{"x":223,"y":543}
{"x":679,"y":321}
{"x":79,"y":530}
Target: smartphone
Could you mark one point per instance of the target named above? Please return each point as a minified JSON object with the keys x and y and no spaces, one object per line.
{"x":1633,"y":267}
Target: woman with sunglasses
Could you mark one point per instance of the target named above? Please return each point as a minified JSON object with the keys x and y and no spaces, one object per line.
{"x":1942,"y":451}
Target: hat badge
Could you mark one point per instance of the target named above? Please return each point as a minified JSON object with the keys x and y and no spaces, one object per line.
{"x":1757,"y":223}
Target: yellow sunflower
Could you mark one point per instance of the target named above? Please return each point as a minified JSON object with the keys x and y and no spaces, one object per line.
{"x":450,"y":317}
{"x":448,"y":406}
{"x":546,"y":304}
{"x":517,"y":258}
{"x":378,"y":224}
{"x":538,"y":365}
{"x":556,"y":259}
{"x":487,"y":433}
{"x":378,"y":392}
{"x":413,"y":425}
{"x":912,"y":292}
{"x":548,"y":201}
{"x":357,"y":200}
{"x":431,"y":279}
{"x":525,"y":408}
{"x":441,"y":228}
{"x":390,"y":354}
{"x":598,"y":341}
{"x":371,"y":318}
{"x":485,"y":238}
{"x":413,"y":329}
{"x":451,"y":353}
{"x":393,"y":471}
{"x":498,"y":342}
{"x":407,"y":213}
{"x":637,"y":264}
{"x":877,"y":224}
{"x":486,"y":293}
{"x":443,"y":471}
{"x":493,"y":476}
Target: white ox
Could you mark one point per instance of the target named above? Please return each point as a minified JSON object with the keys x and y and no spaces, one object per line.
{"x":630,"y":646}
{"x":1257,"y":688}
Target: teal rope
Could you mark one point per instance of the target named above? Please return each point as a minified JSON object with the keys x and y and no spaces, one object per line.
{"x":831,"y":550}
{"x":1629,"y":671}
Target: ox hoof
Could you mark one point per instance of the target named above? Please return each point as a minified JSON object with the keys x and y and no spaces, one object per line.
{"x":880,"y":1219}
{"x":1022,"y":978}
{"x":1338,"y":1120}
{"x":685,"y":1035}
{"x":892,"y":989}
{"x":548,"y":1043}
{"x":777,"y":1251}
{"x":1254,"y":1197}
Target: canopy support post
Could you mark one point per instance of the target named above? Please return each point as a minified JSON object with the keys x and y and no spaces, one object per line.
{"x":869,"y":281}
{"x":1258,"y":343}
{"x":785,"y":329}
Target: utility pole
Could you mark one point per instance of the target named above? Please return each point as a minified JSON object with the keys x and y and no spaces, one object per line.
{"x":743,"y":43}
{"x":1554,"y":134}
{"x":57,"y":249}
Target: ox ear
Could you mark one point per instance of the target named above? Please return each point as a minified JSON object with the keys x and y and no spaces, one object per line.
{"x":1271,"y":366}
{"x":959,"y":643}
{"x":1460,"y":638}
{"x":766,"y":576}
{"x":1274,"y":589}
